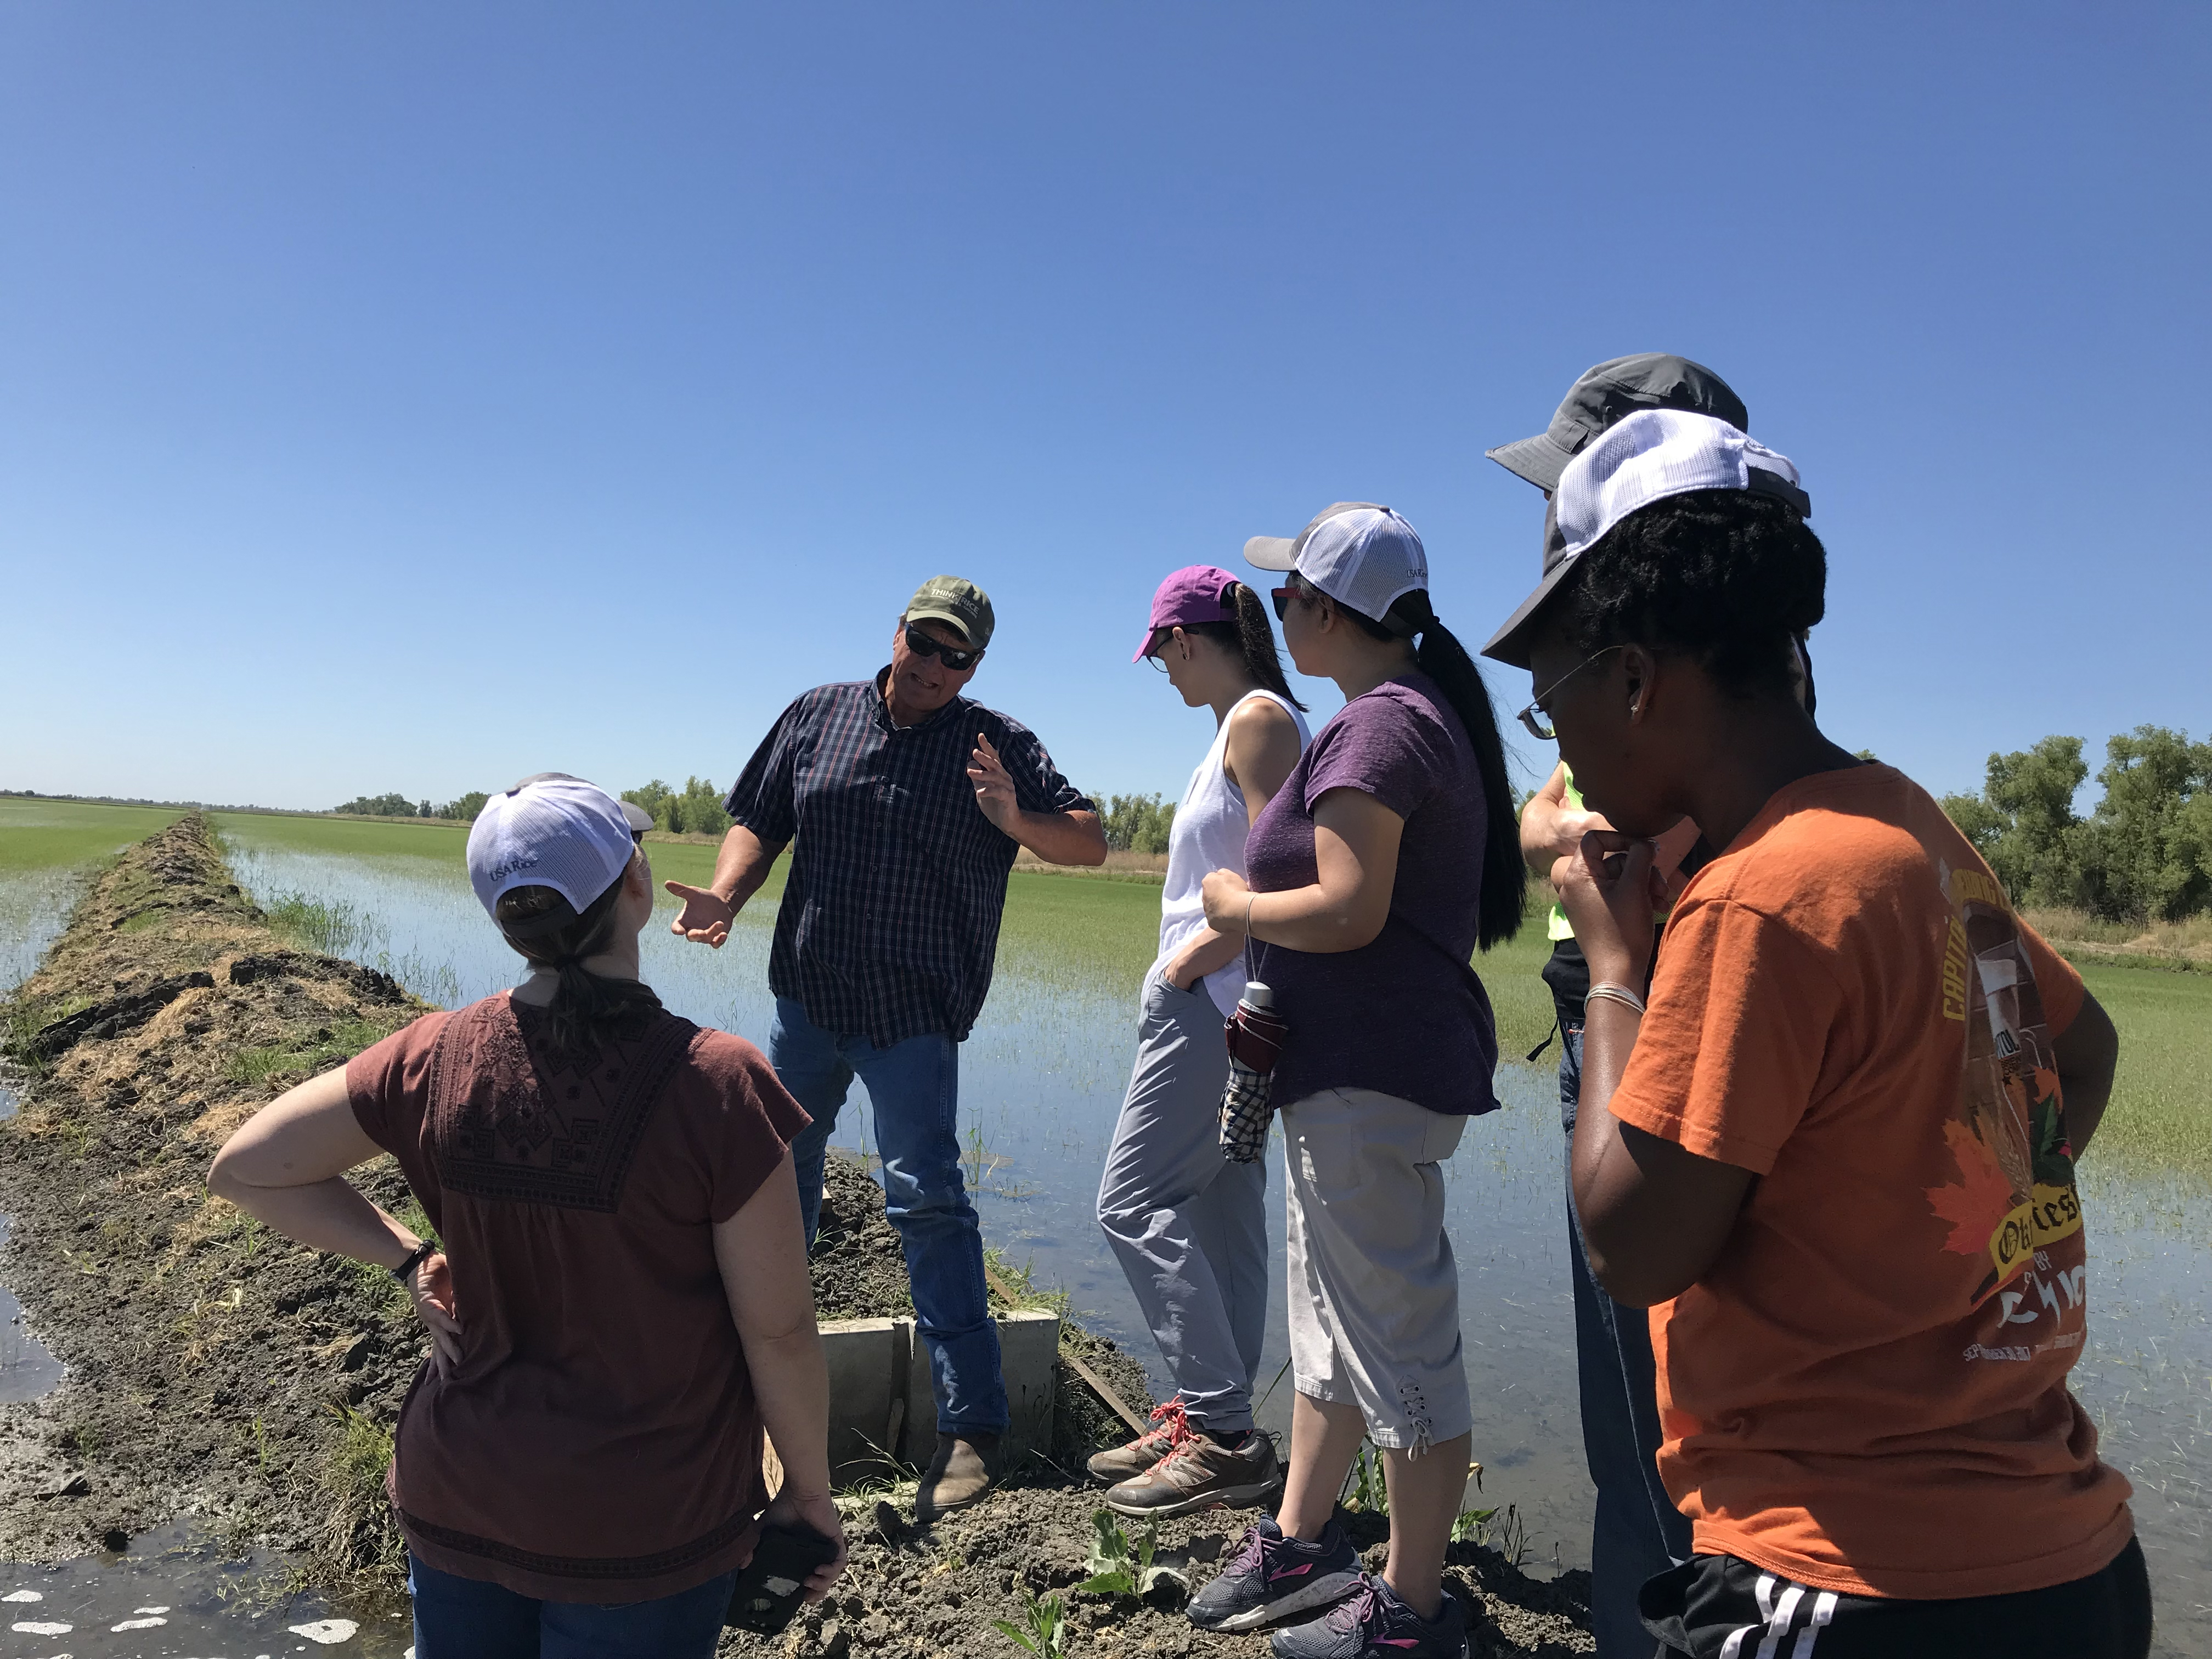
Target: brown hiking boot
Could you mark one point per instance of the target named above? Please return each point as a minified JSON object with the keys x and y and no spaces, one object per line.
{"x":1201,"y":1473}
{"x":1119,"y":1463}
{"x":958,"y":1475}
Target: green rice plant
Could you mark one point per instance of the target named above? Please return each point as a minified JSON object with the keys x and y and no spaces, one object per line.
{"x":1472,"y":1526}
{"x":1043,"y":1629}
{"x":336,"y":929}
{"x":1365,"y":1490}
{"x":1117,"y":1567}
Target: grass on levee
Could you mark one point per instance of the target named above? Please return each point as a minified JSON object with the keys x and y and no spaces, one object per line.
{"x":46,"y":835}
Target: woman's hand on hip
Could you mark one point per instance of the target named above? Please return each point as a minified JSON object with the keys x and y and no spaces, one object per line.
{"x":431,"y":1290}
{"x":1227,"y":895}
{"x":1608,"y":887}
{"x":817,"y":1513}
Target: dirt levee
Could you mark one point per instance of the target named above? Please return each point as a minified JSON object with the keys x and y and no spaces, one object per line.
{"x":214,"y":1368}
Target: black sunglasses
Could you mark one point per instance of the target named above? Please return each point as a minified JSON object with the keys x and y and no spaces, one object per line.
{"x":1280,"y":598}
{"x":924,"y":645}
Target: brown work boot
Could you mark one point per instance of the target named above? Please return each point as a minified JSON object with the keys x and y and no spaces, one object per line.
{"x":1201,"y":1473}
{"x":1119,"y":1463}
{"x":958,"y":1475}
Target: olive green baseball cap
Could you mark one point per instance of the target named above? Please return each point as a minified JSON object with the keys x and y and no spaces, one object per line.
{"x":956,"y":600}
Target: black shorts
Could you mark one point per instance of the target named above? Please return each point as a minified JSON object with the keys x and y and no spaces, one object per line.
{"x":1716,"y":1607}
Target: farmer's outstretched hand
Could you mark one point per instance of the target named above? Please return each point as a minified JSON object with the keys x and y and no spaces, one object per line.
{"x":706,"y":916}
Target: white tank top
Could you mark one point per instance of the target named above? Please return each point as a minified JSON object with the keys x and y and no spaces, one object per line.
{"x":1208,"y":834}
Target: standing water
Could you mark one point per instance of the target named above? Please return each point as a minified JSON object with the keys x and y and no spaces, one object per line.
{"x":1041,"y":1083}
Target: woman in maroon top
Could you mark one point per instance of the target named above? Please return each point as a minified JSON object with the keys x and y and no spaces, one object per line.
{"x":621,"y":1304}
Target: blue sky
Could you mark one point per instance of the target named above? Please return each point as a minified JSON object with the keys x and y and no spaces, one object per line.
{"x":413,"y":398}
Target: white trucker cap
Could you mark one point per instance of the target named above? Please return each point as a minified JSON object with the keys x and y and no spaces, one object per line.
{"x":552,"y":830}
{"x":1641,"y":459}
{"x":1658,"y":453}
{"x":1363,"y":557}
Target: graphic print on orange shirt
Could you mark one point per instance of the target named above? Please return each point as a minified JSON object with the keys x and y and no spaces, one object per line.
{"x":2014,"y":1197}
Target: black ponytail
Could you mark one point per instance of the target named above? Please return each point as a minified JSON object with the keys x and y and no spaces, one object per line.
{"x":1444,"y":659}
{"x":550,"y":932}
{"x":1252,"y":637}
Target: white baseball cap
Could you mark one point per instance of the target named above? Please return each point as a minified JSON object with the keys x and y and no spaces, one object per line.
{"x":552,"y":830}
{"x":1641,"y":458}
{"x":1363,"y":557}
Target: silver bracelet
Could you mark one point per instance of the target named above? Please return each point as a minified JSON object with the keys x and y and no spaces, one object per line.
{"x":1620,"y":993}
{"x":1249,"y":896}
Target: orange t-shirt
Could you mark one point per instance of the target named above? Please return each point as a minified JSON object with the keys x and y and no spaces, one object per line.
{"x":1867,"y":1390}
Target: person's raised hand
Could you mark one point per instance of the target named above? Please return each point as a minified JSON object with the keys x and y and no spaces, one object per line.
{"x":706,"y":916}
{"x":431,"y":1290}
{"x":994,"y":787}
{"x":1228,"y":899}
{"x":1609,"y":886}
{"x":817,"y":1513}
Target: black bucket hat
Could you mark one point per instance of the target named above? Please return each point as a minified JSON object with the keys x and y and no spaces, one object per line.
{"x":1602,"y":399}
{"x":1608,"y":394}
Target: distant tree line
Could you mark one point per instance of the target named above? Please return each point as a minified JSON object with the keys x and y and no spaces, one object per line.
{"x":2144,"y":854}
{"x":396,"y":806}
{"x":694,"y":810}
{"x":1137,"y":824}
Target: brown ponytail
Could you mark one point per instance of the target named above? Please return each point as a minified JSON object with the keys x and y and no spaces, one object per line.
{"x":1252,"y":637}
{"x":548,"y":931}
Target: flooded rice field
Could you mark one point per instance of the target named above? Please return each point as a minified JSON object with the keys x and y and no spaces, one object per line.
{"x":1041,"y":1082}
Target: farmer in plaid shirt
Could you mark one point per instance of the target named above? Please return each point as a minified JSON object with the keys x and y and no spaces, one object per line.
{"x":906,"y":802}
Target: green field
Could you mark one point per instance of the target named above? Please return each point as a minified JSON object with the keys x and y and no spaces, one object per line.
{"x":1102,"y":935}
{"x":2160,"y":1117}
{"x":46,"y":835}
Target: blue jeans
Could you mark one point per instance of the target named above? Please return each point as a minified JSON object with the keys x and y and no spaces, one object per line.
{"x":472,"y":1618}
{"x":913,"y":1087}
{"x":1639,"y":1532}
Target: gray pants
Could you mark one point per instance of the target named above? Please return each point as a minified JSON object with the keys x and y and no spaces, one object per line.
{"x":1189,"y":1226}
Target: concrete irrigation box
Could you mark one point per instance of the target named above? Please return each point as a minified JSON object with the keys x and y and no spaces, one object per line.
{"x":880,"y":1399}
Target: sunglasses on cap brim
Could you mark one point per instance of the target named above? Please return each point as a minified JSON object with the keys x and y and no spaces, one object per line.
{"x":925,"y":645}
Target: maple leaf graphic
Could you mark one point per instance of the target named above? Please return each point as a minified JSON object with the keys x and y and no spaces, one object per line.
{"x":1981,"y":1201}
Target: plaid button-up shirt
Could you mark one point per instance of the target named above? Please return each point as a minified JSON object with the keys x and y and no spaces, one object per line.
{"x":890,"y":921}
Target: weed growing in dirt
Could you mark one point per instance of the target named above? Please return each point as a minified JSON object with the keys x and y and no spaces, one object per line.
{"x":1473,"y":1527}
{"x":1018,"y":1286}
{"x":360,"y":1538}
{"x":1365,"y":1490}
{"x":324,"y":1049}
{"x":1117,"y":1567}
{"x":1043,"y":1629}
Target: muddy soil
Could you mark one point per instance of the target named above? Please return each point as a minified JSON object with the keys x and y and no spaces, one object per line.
{"x":933,"y":1591}
{"x":212,"y":1368}
{"x":219,"y":1375}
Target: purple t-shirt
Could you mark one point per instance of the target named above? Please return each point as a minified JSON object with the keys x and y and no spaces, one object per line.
{"x":1399,"y":1014}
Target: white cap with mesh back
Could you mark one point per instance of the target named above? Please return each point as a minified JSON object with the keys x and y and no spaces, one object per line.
{"x":1363,"y":557}
{"x":1658,"y":453}
{"x":552,"y":830}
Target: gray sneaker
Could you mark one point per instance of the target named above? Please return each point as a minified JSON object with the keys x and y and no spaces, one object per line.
{"x":1272,"y":1577}
{"x":1201,"y":1473}
{"x":1372,"y":1623}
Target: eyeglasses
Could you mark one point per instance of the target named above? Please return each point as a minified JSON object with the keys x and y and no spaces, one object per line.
{"x":1281,"y":598}
{"x":1534,"y":718}
{"x":923,"y":644}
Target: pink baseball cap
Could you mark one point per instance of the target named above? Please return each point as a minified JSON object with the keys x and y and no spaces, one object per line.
{"x":1195,"y":593}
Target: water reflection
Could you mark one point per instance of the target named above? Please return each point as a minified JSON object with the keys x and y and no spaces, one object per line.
{"x":172,"y":1592}
{"x":1041,"y":1080}
{"x":34,"y":907}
